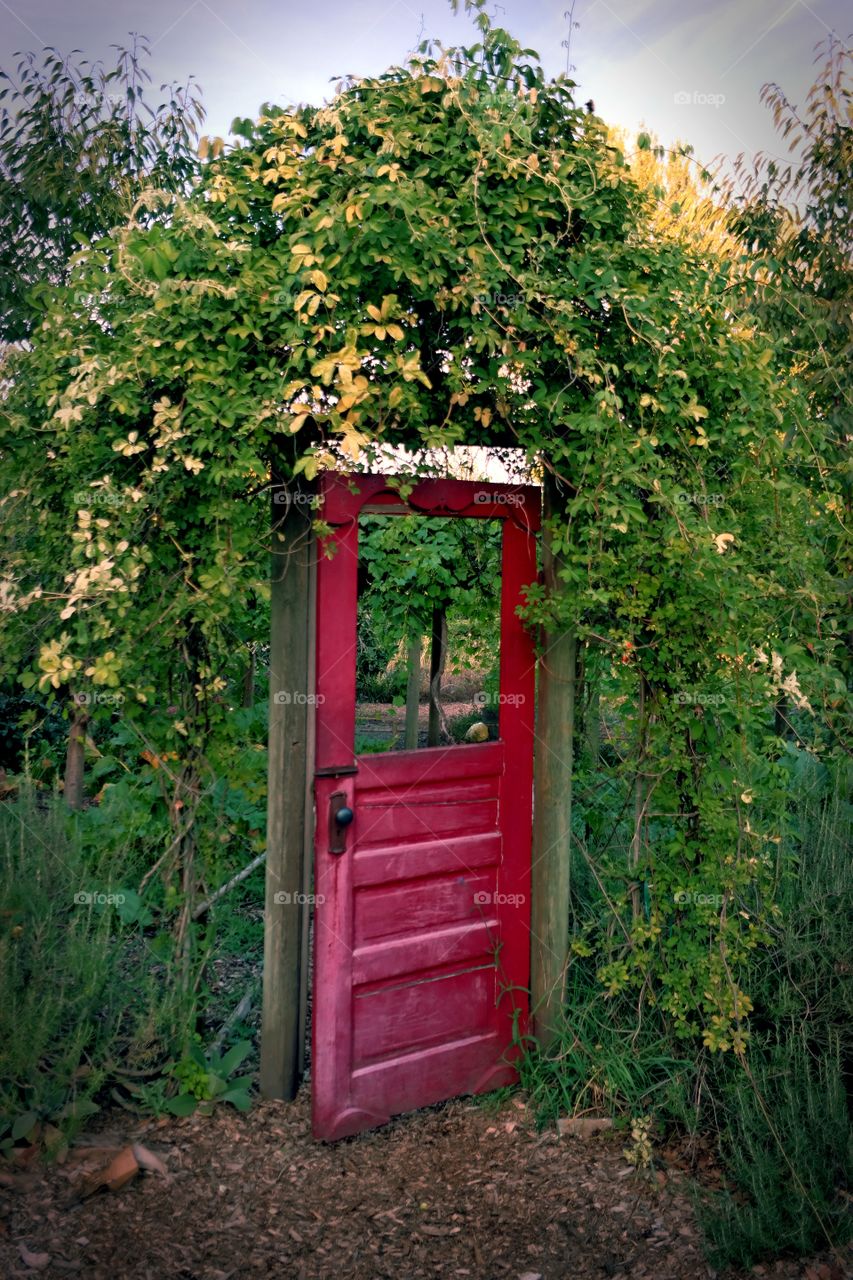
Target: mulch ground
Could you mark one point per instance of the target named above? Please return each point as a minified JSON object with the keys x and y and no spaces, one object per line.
{"x":457,"y":1190}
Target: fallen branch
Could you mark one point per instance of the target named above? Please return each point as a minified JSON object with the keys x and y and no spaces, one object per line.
{"x":223,"y":889}
{"x":233,"y":1018}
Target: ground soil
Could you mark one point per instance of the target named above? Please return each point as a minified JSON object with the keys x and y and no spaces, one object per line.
{"x":386,"y":723}
{"x":461,"y":1190}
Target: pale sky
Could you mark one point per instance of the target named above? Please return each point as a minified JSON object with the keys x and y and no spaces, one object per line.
{"x":686,"y":71}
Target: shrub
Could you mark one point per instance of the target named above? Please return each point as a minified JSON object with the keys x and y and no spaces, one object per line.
{"x":62,"y":995}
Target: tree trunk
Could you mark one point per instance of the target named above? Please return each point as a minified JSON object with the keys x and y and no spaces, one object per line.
{"x":552,"y":810}
{"x":413,"y":691}
{"x":292,"y":552}
{"x":592,"y":724}
{"x":593,"y":715}
{"x":438,"y":653}
{"x":249,"y":680}
{"x":639,"y":805}
{"x":75,"y":759}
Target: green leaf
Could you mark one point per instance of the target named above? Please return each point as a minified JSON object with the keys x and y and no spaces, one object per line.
{"x":183,"y":1105}
{"x":78,"y":1109}
{"x":235,"y":1055}
{"x":23,"y":1125}
{"x":238,"y":1098}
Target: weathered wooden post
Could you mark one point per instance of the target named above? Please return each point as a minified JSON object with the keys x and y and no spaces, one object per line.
{"x":552,"y":809}
{"x":287,"y":789}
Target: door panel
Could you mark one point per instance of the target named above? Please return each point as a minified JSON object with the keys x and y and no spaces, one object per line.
{"x":422,"y":921}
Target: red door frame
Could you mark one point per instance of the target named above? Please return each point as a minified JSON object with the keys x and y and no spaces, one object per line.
{"x":343,"y":1105}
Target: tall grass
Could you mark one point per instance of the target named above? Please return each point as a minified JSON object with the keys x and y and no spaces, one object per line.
{"x":787,"y":1140}
{"x":604,"y":1058}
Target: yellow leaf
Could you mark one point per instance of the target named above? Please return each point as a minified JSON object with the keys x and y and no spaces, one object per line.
{"x":318,"y":279}
{"x":295,"y":423}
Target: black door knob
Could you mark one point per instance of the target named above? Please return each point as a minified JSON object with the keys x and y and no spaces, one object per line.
{"x":344,"y":816}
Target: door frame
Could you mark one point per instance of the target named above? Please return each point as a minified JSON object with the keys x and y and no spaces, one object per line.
{"x":343,"y":498}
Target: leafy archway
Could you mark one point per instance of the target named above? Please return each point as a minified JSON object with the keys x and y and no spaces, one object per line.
{"x":451,"y":252}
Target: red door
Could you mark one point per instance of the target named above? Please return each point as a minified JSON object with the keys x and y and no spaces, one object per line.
{"x":422,"y":924}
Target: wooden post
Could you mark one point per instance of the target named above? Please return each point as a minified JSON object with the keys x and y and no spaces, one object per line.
{"x":292,"y":550}
{"x":552,"y":810}
{"x":413,"y":691}
{"x":308,"y":840}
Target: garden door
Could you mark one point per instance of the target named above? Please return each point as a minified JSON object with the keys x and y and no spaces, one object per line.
{"x":422,"y":855}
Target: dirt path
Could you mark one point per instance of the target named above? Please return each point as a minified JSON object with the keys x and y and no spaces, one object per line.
{"x":458,"y":1190}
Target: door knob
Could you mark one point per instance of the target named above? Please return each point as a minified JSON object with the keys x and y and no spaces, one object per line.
{"x":340,"y":817}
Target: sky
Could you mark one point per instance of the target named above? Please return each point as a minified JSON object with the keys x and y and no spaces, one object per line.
{"x":684,"y":70}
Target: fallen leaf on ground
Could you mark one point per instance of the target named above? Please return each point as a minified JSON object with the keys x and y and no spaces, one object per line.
{"x":582,"y":1126}
{"x":121,"y":1169}
{"x":148,"y":1160}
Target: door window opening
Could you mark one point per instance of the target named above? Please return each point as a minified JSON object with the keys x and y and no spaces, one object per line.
{"x":428,"y":632}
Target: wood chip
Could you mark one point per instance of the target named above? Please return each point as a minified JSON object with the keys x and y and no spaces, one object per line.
{"x":37,"y":1261}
